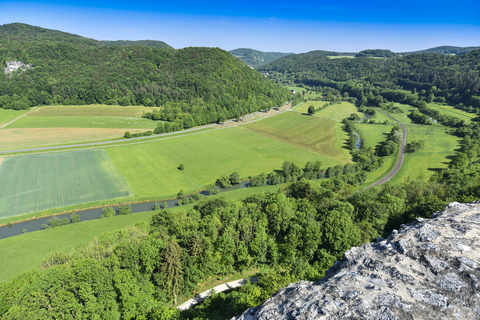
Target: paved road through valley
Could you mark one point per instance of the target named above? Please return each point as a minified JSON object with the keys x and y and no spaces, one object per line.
{"x":401,"y":155}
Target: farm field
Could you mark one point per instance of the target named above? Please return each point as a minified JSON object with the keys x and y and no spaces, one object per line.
{"x":340,"y":57}
{"x":151,"y":168}
{"x":82,"y":122}
{"x":438,"y":146}
{"x":26,"y":251}
{"x":24,"y":138}
{"x":89,"y":110}
{"x":39,"y":182}
{"x":7,"y":115}
{"x":312,"y":133}
{"x":451,"y":111}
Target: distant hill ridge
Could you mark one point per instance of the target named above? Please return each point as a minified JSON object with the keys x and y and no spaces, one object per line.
{"x":444,"y":50}
{"x":255,"y":58}
{"x":142,"y":43}
{"x":23,"y":33}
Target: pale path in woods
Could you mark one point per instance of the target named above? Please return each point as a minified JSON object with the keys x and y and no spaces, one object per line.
{"x":223,"y":287}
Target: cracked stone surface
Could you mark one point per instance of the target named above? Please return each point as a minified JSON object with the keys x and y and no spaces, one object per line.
{"x":428,"y":269}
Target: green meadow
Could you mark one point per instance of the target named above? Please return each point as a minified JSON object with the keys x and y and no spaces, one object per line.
{"x":151,"y":168}
{"x":439,"y":145}
{"x":373,"y":134}
{"x":38,"y":182}
{"x":451,"y":111}
{"x":335,"y":111}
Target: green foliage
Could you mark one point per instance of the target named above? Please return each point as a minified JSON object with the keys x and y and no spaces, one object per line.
{"x":224,"y":181}
{"x":75,"y":218}
{"x":181,"y":166}
{"x":65,"y":221}
{"x":107,"y":212}
{"x":235,"y":178}
{"x":124,"y":209}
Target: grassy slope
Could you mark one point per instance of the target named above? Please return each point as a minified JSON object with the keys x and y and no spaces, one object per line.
{"x":7,"y":115}
{"x":312,"y":133}
{"x":38,"y":182}
{"x":373,"y":134}
{"x":26,"y":251}
{"x":150,"y":169}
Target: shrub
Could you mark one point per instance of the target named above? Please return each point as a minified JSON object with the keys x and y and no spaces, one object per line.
{"x":65,"y":221}
{"x":54,"y":222}
{"x":75,"y":218}
{"x":124,"y":209}
{"x":181,"y":166}
{"x":107,"y":212}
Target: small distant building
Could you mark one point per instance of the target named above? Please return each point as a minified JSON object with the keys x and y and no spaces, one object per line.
{"x":293,"y":91}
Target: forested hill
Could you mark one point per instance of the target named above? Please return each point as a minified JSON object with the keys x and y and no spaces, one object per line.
{"x":444,"y":50}
{"x":430,"y":76}
{"x":24,"y":33}
{"x":142,"y":43}
{"x":376,"y":53}
{"x":209,"y":79}
{"x":255,"y":58}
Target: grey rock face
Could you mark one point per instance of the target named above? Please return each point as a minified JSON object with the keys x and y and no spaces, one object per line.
{"x":15,"y":65}
{"x":426,"y":270}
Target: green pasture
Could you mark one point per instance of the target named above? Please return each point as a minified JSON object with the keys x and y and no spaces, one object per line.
{"x":83,"y":122}
{"x":38,"y":182}
{"x":151,"y":168}
{"x":312,"y":133}
{"x":308,"y":93}
{"x":373,"y":134}
{"x":96,"y":110}
{"x":439,"y":145}
{"x":451,"y":111}
{"x":26,"y":251}
{"x":7,"y":115}
{"x":340,"y":57}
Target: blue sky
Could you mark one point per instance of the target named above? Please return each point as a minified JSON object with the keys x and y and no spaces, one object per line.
{"x":283,"y":26}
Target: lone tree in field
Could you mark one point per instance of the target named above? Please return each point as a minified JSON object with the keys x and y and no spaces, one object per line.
{"x":181,"y":166}
{"x":311,"y":110}
{"x":171,"y":268}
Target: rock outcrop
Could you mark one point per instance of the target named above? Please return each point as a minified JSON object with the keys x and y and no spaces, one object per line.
{"x":429,"y":269}
{"x":15,"y":65}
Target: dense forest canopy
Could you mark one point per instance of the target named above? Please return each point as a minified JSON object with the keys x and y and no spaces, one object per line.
{"x":436,"y":77}
{"x":444,"y":50}
{"x":214,"y":84}
{"x":376,"y":53}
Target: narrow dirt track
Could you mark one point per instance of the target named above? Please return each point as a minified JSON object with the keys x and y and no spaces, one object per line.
{"x":401,"y":155}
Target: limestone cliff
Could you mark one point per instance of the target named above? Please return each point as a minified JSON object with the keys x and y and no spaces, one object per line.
{"x":428,"y":269}
{"x":15,"y":65}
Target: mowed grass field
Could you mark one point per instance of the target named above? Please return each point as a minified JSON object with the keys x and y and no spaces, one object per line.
{"x":38,"y":182}
{"x":335,"y":111}
{"x":373,"y":134}
{"x":7,"y":115}
{"x":151,"y":168}
{"x":312,"y":133}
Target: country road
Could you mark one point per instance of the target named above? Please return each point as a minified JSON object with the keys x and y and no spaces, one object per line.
{"x":220,"y":288}
{"x":401,"y":155}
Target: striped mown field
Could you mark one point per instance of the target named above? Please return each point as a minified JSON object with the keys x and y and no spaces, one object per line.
{"x":39,"y":182}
